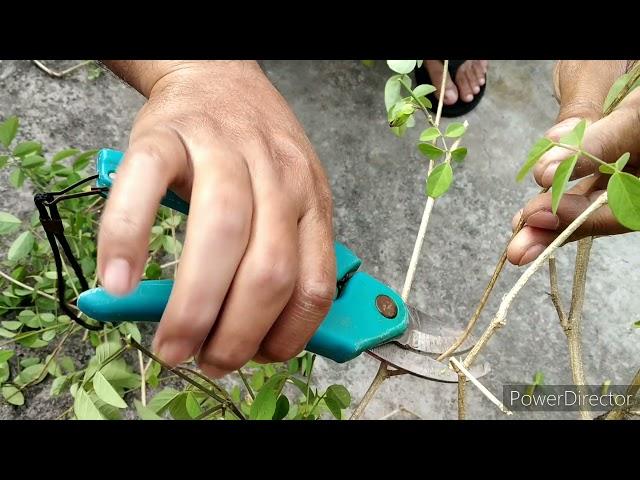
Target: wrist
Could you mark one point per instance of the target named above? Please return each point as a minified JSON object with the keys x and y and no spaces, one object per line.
{"x":146,"y":76}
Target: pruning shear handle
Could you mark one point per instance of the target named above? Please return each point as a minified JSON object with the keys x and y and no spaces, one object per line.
{"x":365,"y":312}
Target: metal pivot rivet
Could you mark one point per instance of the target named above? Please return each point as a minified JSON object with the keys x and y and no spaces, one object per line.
{"x":386,"y":306}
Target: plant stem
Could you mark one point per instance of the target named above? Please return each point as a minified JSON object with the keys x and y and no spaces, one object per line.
{"x":422,"y":231}
{"x":59,"y":74}
{"x":246,"y":384}
{"x":555,"y":292}
{"x":143,"y":380}
{"x":383,"y":369}
{"x":381,"y":376}
{"x":457,"y":364}
{"x":618,"y":413}
{"x":500,"y":318}
{"x":462,"y":386}
{"x":210,"y":411}
{"x":572,"y":329}
{"x":20,"y":284}
{"x":634,"y":76}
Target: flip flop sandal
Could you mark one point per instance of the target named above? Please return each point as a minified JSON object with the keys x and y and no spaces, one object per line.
{"x":457,"y":109}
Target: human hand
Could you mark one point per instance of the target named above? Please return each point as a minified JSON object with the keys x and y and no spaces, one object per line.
{"x":257,"y":272}
{"x":581,"y":88}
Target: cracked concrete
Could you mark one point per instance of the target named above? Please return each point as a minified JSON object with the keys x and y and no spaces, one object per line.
{"x":378,"y":183}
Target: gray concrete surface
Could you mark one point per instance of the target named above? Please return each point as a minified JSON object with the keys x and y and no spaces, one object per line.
{"x":378,"y":183}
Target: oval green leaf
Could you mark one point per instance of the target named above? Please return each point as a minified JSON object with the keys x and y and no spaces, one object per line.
{"x":459,"y":154}
{"x":8,"y":223}
{"x":560,"y":181}
{"x":5,"y":355}
{"x":105,"y":391}
{"x":392,"y":92}
{"x":84,"y":408}
{"x":538,"y":149}
{"x":27,"y":148}
{"x":8,"y":130}
{"x":455,"y":130}
{"x":440,"y":180}
{"x":21,"y":247}
{"x":402,"y":66}
{"x":622,"y":161}
{"x":145,"y":413}
{"x":264,"y":405}
{"x":340,"y":394}
{"x":429,"y":134}
{"x":423,"y":90}
{"x":282,"y":408}
{"x":430,"y":151}
{"x":12,"y":395}
{"x":624,"y":199}
{"x":33,"y":161}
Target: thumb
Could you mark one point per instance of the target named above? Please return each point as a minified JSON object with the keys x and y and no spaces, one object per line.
{"x":582,"y":87}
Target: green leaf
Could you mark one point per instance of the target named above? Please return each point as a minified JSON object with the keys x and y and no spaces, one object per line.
{"x":33,"y":161}
{"x":608,"y":169}
{"x":624,"y":199}
{"x":4,"y":159}
{"x":21,"y":247}
{"x":4,"y":372}
{"x":69,"y":152}
{"x":84,"y":408}
{"x":402,"y":66}
{"x":145,"y":413}
{"x":440,"y":180}
{"x":538,"y":378}
{"x":539,"y":149}
{"x":58,"y":385}
{"x":334,"y":407}
{"x":171,"y":245}
{"x":616,"y":88}
{"x":27,"y":148}
{"x":392,"y":91}
{"x":637,"y":324}
{"x":423,"y":90}
{"x":30,"y":374}
{"x":83,"y":160}
{"x":429,"y":134}
{"x":172,"y":222}
{"x":340,"y":394}
{"x":368,"y":63}
{"x":12,"y":395}
{"x":282,"y":408}
{"x":8,"y":223}
{"x":106,"y":392}
{"x":5,"y":355}
{"x":153,"y":271}
{"x":128,"y":328}
{"x":8,"y":130}
{"x":29,"y":361}
{"x":257,"y":379}
{"x":162,"y":399}
{"x":192,"y":405}
{"x":459,"y":154}
{"x":6,"y":333}
{"x":622,"y":161}
{"x":16,"y":178}
{"x":293,"y":365}
{"x":264,"y":405}
{"x":430,"y":151}
{"x":560,"y":181}
{"x":152,"y":373}
{"x":575,"y":136}
{"x":455,"y":130}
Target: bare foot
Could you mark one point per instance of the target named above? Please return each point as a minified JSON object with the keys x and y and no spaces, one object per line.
{"x":469,"y":78}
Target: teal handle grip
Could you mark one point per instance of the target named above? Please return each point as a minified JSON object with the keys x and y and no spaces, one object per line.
{"x":354,"y":323}
{"x":108,"y":162}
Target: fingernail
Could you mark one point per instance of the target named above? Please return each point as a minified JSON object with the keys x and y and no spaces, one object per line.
{"x":174,"y":352}
{"x":562,"y":128}
{"x":117,"y":276}
{"x":544,"y":219}
{"x":531,"y":254}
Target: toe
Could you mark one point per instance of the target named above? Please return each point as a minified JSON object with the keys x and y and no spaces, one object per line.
{"x":436,"y":69}
{"x":464,"y":87}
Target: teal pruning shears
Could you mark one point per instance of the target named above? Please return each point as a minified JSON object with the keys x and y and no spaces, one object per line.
{"x":366,"y":315}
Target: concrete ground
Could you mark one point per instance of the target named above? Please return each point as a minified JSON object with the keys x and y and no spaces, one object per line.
{"x":378,"y":184}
